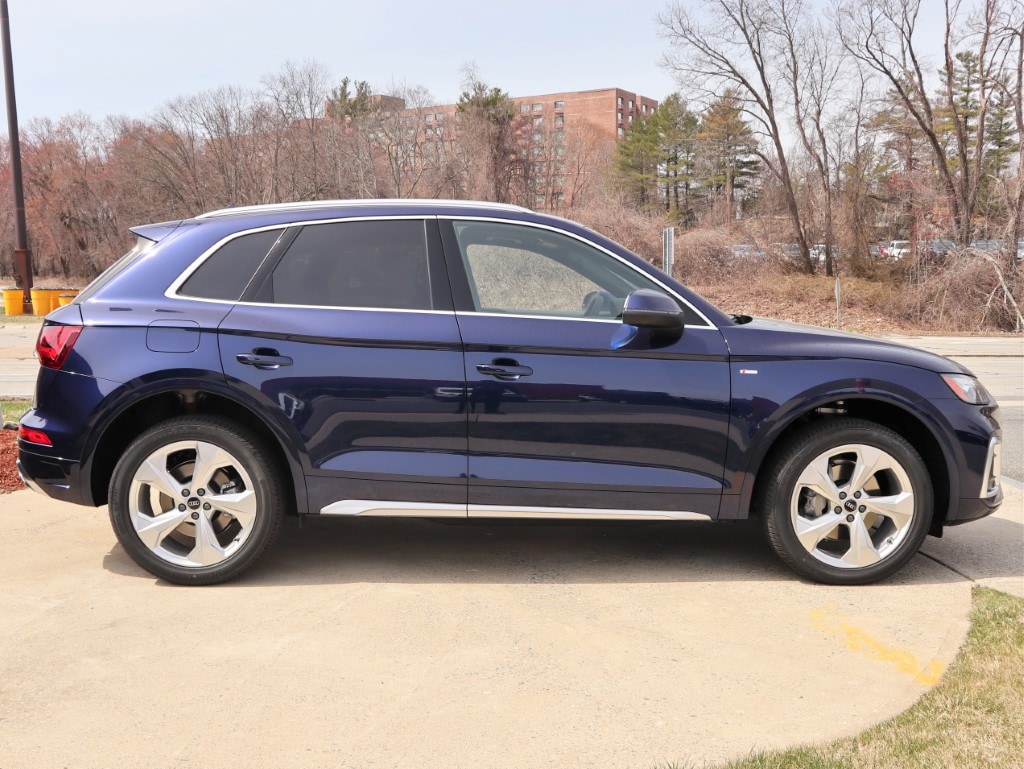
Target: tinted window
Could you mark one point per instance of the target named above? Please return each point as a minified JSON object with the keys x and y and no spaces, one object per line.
{"x":527,"y":270}
{"x":379,"y":264}
{"x":226,"y":273}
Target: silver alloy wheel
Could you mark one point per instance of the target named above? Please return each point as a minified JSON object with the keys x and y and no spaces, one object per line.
{"x":852,"y":506}
{"x":192,"y":503}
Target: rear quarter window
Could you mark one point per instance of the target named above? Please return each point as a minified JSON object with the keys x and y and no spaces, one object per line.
{"x":225,"y":273}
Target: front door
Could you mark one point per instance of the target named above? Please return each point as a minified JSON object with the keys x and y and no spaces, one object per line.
{"x":571,"y":412}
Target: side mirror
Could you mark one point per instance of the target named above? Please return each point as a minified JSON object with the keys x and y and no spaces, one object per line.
{"x":653,"y":310}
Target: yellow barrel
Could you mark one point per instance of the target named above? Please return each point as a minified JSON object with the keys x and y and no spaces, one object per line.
{"x":14,"y":301}
{"x":65,"y":299}
{"x":40,"y":301}
{"x":55,"y":297}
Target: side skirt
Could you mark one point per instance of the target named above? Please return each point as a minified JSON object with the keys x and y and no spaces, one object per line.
{"x":382,"y":508}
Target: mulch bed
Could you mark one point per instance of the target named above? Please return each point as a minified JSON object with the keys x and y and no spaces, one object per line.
{"x":9,"y":480}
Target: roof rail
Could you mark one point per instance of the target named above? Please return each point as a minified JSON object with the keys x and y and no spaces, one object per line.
{"x":366,"y":202}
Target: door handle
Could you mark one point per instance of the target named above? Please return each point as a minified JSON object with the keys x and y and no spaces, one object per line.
{"x":505,"y":369}
{"x":264,"y":358}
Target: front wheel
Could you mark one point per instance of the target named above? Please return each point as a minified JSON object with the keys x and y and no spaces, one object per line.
{"x":848,"y":502}
{"x":196,"y":500}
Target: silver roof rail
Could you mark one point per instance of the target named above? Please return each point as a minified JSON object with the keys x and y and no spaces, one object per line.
{"x":367,"y":202}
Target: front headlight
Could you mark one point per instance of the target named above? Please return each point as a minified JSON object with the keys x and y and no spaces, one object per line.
{"x":967,"y":388}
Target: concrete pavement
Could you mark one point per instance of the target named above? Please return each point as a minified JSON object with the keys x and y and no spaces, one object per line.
{"x":381,"y":643}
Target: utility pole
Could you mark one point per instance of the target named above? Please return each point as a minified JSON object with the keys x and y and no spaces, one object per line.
{"x":22,"y":256}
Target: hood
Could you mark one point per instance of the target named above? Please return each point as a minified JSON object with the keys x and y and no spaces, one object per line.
{"x":763,"y":338}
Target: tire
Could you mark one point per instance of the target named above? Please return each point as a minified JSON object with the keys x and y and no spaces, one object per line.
{"x":876,"y":480}
{"x":193,"y":535}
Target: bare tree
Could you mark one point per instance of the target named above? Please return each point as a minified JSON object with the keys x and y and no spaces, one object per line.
{"x":813,"y":71}
{"x":882,"y":36}
{"x":738,"y":46}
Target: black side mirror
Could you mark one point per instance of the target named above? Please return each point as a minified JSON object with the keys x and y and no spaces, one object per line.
{"x":653,"y":310}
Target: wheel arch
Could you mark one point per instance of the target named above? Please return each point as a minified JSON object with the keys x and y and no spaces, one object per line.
{"x":139,"y":411}
{"x":919,"y":428}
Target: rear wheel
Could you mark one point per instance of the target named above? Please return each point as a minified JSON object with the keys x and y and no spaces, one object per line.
{"x":849,"y":502}
{"x":196,"y":500}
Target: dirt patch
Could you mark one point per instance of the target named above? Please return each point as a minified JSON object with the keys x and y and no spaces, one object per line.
{"x":9,"y":480}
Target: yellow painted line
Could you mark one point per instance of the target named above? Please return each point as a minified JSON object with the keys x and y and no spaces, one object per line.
{"x":831,"y":621}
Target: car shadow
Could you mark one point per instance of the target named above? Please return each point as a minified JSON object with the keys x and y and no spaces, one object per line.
{"x":409,"y":551}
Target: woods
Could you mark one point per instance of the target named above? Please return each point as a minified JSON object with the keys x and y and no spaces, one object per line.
{"x":819,"y":130}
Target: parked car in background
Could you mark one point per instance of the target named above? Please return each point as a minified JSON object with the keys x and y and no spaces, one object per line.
{"x":748,"y":251}
{"x":448,"y":359}
{"x":898,"y":249}
{"x":818,"y":252}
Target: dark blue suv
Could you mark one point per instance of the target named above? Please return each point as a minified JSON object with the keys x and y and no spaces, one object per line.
{"x":471,"y":360}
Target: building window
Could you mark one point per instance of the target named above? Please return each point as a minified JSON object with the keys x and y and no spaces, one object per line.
{"x":429,"y":131}
{"x":630,"y":120}
{"x":631,"y":104}
{"x":560,"y":104}
{"x":430,"y":118}
{"x":618,"y":101}
{"x":538,"y":120}
{"x":620,"y":117}
{"x":621,"y":132}
{"x":538,"y":152}
{"x":524,"y":109}
{"x":439,"y":116}
{"x":538,"y":136}
{"x":643,"y":108}
{"x":559,"y":120}
{"x":538,"y":107}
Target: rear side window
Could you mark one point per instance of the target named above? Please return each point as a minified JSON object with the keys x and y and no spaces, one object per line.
{"x":226,"y":273}
{"x":378,"y":264}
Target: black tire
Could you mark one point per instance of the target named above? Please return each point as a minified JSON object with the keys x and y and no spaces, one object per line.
{"x":882,"y":521}
{"x":196,"y":536}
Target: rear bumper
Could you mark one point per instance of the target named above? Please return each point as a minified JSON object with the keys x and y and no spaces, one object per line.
{"x":52,"y":476}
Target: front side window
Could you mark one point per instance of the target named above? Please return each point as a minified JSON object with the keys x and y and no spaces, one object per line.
{"x":372,"y":264}
{"x":524,"y":270}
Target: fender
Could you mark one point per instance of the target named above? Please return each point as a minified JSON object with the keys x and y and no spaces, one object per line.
{"x":768,"y":431}
{"x":132,"y":393}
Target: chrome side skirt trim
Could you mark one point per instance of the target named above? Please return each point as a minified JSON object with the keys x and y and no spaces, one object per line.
{"x":372,"y":507}
{"x":506,"y":511}
{"x":376,"y":507}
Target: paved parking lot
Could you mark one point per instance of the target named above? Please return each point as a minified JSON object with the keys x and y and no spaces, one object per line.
{"x":385,"y":643}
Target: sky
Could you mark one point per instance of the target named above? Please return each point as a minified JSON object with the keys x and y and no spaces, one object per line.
{"x":107,"y":57}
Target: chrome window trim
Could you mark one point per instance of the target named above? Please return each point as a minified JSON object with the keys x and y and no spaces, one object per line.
{"x":592,"y":244}
{"x":173,"y":291}
{"x":372,"y":508}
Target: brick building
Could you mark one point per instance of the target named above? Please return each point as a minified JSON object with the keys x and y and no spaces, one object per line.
{"x":609,"y":110}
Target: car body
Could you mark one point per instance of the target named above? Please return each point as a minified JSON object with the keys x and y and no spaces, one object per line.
{"x":898,"y":249}
{"x":454,"y":359}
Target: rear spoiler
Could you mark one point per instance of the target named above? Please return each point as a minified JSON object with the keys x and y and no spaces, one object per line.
{"x":156,"y":232}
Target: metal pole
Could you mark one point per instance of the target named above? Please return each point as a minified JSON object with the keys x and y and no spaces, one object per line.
{"x":22,"y":255}
{"x":668,"y":250}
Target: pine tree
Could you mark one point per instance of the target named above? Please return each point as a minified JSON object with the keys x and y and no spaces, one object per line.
{"x":726,"y":147}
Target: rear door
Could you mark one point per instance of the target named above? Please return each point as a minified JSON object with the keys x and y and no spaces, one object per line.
{"x":348,"y":334}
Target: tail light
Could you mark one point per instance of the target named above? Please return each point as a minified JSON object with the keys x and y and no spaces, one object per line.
{"x":54,"y":344}
{"x":29,"y":435}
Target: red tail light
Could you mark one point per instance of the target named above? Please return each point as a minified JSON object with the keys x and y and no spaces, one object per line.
{"x":29,"y":435}
{"x":55,"y":343}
